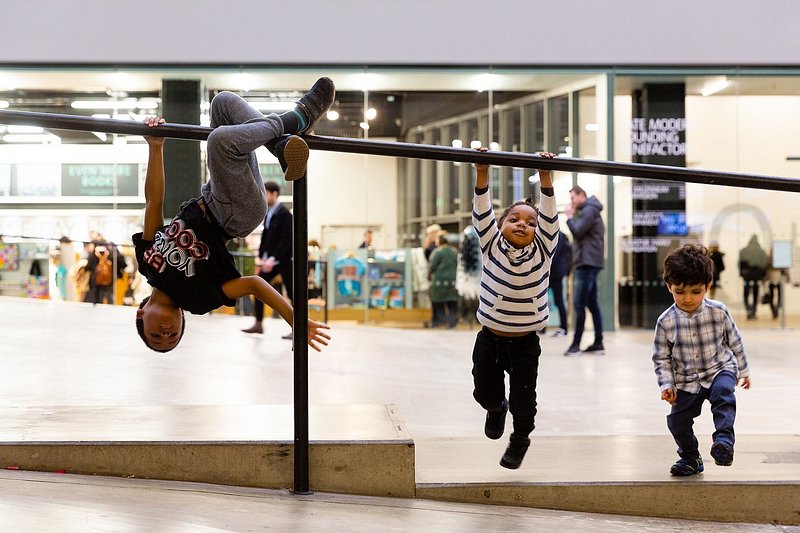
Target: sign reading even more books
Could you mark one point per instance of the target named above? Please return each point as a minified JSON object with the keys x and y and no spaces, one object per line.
{"x":100,"y":180}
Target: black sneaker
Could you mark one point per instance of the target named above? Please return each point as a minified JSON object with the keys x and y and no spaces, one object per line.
{"x":573,"y":351}
{"x":595,"y":349}
{"x":496,"y":422}
{"x":515,"y":453}
{"x":292,"y":154}
{"x":722,"y":452}
{"x":687,"y":467}
{"x":316,"y":102}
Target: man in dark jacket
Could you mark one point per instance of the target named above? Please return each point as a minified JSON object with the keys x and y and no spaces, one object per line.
{"x":588,"y":256}
{"x":275,"y":250}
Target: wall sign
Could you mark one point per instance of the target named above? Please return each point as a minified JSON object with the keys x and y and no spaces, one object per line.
{"x":100,"y":180}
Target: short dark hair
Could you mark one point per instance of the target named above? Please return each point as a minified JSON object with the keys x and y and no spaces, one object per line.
{"x":688,"y":265}
{"x":140,"y":329}
{"x":271,"y":186}
{"x":577,"y":189}
{"x":527,"y":201}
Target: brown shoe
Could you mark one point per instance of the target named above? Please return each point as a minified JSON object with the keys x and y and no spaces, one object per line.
{"x":255,"y":328}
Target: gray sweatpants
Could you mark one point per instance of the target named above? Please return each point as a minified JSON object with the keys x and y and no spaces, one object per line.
{"x":235,"y":190}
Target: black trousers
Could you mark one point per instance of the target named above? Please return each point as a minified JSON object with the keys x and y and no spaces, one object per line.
{"x":751,"y":297}
{"x":287,"y":274}
{"x":557,"y":286}
{"x":492,"y":357}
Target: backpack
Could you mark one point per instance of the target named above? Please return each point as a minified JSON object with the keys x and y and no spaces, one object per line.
{"x":103,"y":272}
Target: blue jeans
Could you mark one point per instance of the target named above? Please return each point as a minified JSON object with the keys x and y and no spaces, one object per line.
{"x":680,"y":420}
{"x":586,"y":296}
{"x":557,"y":286}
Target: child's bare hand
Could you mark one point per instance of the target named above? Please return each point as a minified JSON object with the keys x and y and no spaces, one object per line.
{"x":481,"y":166}
{"x":745,"y":383}
{"x":316,"y":335}
{"x":154,"y":122}
{"x":545,"y":174}
{"x":669,"y":396}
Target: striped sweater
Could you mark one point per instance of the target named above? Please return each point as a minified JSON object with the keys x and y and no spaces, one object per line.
{"x":514,"y":281}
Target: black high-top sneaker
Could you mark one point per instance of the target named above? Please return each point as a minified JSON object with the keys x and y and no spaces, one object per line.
{"x":515,"y":453}
{"x":496,"y":422}
{"x":316,"y":102}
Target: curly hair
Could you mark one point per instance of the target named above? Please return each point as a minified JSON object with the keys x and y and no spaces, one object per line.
{"x":688,"y":265}
{"x":527,"y":201}
{"x":140,"y":329}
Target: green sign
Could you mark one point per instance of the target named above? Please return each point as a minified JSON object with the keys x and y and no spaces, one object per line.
{"x":100,"y":180}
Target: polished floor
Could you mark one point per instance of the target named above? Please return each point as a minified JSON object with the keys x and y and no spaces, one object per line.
{"x":600,"y":417}
{"x":52,"y":503}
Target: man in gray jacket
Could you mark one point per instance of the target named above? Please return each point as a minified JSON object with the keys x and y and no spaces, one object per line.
{"x":588,"y":256}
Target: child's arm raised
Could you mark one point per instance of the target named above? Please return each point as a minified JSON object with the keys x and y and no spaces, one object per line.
{"x":482,"y":172}
{"x":154,"y":183}
{"x":258,"y":287}
{"x":545,"y":175}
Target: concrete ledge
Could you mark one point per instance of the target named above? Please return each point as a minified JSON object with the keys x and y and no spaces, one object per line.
{"x":752,"y":502}
{"x":382,"y":465}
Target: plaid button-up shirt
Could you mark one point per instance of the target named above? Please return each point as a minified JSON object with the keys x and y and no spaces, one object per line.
{"x":690,"y":350}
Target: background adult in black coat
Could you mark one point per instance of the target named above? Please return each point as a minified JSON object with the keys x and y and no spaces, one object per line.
{"x":275,"y":251}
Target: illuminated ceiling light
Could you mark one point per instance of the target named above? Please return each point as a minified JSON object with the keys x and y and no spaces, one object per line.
{"x":371,"y":113}
{"x":457,"y":143}
{"x":244,"y":81}
{"x":3,"y":104}
{"x":147,"y":105}
{"x":105,"y":104}
{"x":475,"y":144}
{"x":367,"y":81}
{"x":25,"y":129}
{"x":364,"y":126}
{"x":31,"y":138}
{"x":485,"y":82}
{"x":494,"y":146}
{"x":714,"y":87}
{"x":592,"y":127}
{"x":333,"y":115}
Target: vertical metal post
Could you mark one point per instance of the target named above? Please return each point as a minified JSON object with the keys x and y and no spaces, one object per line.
{"x":300,"y":329}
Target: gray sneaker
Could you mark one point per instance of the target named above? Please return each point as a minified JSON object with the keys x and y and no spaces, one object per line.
{"x":560,"y":332}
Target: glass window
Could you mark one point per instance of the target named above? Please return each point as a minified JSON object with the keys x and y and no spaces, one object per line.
{"x":558,"y":125}
{"x":533,"y":139}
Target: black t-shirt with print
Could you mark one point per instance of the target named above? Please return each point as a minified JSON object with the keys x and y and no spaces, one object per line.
{"x":188,"y":261}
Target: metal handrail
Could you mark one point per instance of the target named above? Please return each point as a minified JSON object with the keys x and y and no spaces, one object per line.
{"x":422,"y":151}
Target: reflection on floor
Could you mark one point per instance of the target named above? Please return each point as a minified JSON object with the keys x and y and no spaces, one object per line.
{"x":600,"y":417}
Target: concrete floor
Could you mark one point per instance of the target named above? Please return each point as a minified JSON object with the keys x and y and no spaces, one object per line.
{"x":600,"y":417}
{"x":45,"y":503}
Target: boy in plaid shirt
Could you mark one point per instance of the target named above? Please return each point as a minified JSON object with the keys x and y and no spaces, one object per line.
{"x":698,"y":355}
